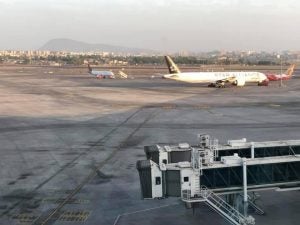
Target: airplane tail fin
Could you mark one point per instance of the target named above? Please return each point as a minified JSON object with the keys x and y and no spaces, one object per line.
{"x":173,"y":68}
{"x":89,"y":67}
{"x":290,"y":70}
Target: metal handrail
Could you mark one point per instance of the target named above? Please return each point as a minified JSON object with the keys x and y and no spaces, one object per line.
{"x":219,"y":204}
{"x":186,"y":194}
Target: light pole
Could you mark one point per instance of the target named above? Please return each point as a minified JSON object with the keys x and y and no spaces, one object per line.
{"x":279,"y":57}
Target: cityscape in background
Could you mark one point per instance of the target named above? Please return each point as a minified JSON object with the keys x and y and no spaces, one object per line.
{"x":61,"y":58}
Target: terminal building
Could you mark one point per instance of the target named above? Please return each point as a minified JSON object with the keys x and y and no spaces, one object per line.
{"x":208,"y":170}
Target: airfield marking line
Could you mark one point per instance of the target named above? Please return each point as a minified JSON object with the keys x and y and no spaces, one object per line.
{"x":143,"y":210}
{"x":93,"y":173}
{"x":72,"y":161}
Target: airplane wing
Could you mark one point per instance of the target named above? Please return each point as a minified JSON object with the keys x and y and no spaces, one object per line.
{"x":222,"y":82}
{"x":230,"y":79}
{"x":238,"y":81}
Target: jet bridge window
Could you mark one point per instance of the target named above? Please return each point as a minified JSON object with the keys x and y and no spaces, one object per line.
{"x":157,"y":180}
{"x":186,"y":179}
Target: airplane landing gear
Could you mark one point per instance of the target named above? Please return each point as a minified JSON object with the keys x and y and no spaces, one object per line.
{"x":220,"y":84}
{"x":217,"y":84}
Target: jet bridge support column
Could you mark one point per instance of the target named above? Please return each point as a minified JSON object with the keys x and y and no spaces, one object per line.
{"x":245,"y":179}
{"x":252,"y":150}
{"x":245,"y":186}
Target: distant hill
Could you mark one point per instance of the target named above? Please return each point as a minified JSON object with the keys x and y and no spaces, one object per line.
{"x":79,"y":46}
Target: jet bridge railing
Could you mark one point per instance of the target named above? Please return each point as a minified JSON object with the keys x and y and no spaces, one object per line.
{"x":219,"y":205}
{"x":226,"y":210}
{"x":186,"y":195}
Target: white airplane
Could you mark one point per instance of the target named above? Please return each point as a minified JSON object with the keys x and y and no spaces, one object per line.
{"x":101,"y":74}
{"x":106,"y":74}
{"x":215,"y":79}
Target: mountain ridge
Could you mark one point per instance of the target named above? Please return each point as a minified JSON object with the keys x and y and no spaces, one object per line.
{"x":65,"y":44}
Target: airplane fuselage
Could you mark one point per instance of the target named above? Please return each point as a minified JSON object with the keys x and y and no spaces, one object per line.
{"x":275,"y":77}
{"x":102,"y":74}
{"x":212,"y":77}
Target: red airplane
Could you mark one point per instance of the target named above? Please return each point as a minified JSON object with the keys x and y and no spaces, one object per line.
{"x":285,"y":76}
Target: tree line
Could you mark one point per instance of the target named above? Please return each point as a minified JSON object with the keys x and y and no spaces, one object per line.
{"x":140,"y":60}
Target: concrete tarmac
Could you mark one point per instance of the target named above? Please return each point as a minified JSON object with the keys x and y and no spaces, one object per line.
{"x":69,"y":144}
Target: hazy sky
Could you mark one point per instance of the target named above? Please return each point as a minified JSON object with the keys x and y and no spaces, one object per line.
{"x":172,"y":25}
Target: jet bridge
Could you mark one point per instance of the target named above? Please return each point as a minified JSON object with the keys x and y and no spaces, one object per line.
{"x":237,"y":167}
{"x":219,"y":167}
